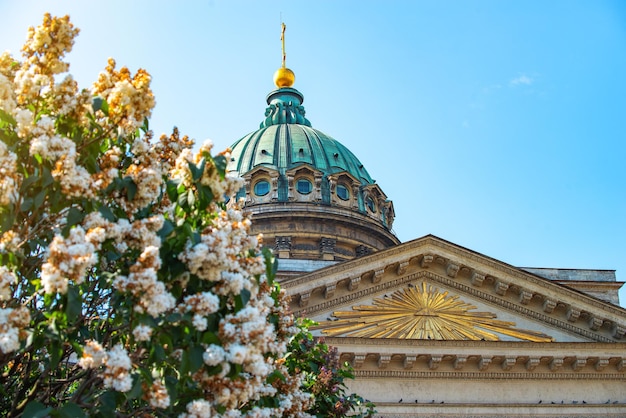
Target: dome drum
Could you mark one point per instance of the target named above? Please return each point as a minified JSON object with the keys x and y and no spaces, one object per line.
{"x":308,"y":194}
{"x":307,"y":185}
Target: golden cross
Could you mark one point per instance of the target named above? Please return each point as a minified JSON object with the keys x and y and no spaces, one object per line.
{"x":282,"y":38}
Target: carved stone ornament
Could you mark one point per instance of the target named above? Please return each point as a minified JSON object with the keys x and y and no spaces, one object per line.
{"x":423,"y":312}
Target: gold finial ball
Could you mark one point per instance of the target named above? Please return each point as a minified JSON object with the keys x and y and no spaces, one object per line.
{"x":284,"y":77}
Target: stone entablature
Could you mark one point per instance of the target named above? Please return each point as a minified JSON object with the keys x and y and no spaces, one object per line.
{"x":501,"y":359}
{"x":408,"y":378}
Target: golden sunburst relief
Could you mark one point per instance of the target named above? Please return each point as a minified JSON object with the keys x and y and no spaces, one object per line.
{"x":423,"y":314}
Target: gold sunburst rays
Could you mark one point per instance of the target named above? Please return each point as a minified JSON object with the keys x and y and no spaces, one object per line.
{"x":423,"y":313}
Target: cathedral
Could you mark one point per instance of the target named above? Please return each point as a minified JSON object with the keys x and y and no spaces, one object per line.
{"x":430,"y":327}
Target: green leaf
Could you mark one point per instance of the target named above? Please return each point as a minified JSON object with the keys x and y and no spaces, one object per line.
{"x":210,"y":338}
{"x":27,"y":203}
{"x":166,"y":229}
{"x":47,"y":177}
{"x":271,"y":263}
{"x":70,"y":410}
{"x":28,"y":182}
{"x":131,"y":188}
{"x":35,"y":409}
{"x":220,"y":163}
{"x":74,"y":217}
{"x":191,"y":198}
{"x":107,"y":213}
{"x":55,"y":349}
{"x":196,"y":171}
{"x":241,"y":300}
{"x":136,"y":391}
{"x":182,"y":200}
{"x":6,"y":117}
{"x":74,"y":303}
{"x":195,"y":358}
{"x":98,"y":103}
{"x":39,"y":199}
{"x":107,"y":402}
{"x":172,"y":189}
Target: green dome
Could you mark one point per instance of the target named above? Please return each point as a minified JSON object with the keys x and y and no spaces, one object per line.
{"x":286,"y":140}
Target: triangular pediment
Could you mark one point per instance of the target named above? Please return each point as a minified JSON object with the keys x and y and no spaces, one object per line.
{"x":453,"y":292}
{"x":420,"y":320}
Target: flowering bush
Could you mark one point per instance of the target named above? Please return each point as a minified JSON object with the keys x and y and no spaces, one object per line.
{"x":126,"y":285}
{"x":324,"y":376}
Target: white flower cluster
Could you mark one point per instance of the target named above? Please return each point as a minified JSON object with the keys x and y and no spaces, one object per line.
{"x":157,"y":395}
{"x":142,"y":332}
{"x":117,"y":365}
{"x":221,"y":254}
{"x":7,"y":278}
{"x":143,"y":283}
{"x":7,"y":98}
{"x":129,"y":97}
{"x":8,"y":174}
{"x":48,"y":43}
{"x":68,"y":259}
{"x":117,"y":370}
{"x":147,"y":174}
{"x":221,"y":187}
{"x":201,"y":304}
{"x":12,"y":324}
{"x":93,"y":355}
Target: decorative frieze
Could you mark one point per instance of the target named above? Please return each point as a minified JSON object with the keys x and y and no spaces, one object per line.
{"x":484,"y":363}
{"x":618,"y":331}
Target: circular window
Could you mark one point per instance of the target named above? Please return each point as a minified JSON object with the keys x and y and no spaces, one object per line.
{"x":342,"y":192}
{"x":261,"y":188}
{"x":304,"y":186}
{"x":370,"y":204}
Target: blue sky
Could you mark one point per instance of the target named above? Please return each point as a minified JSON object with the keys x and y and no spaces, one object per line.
{"x":497,"y":125}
